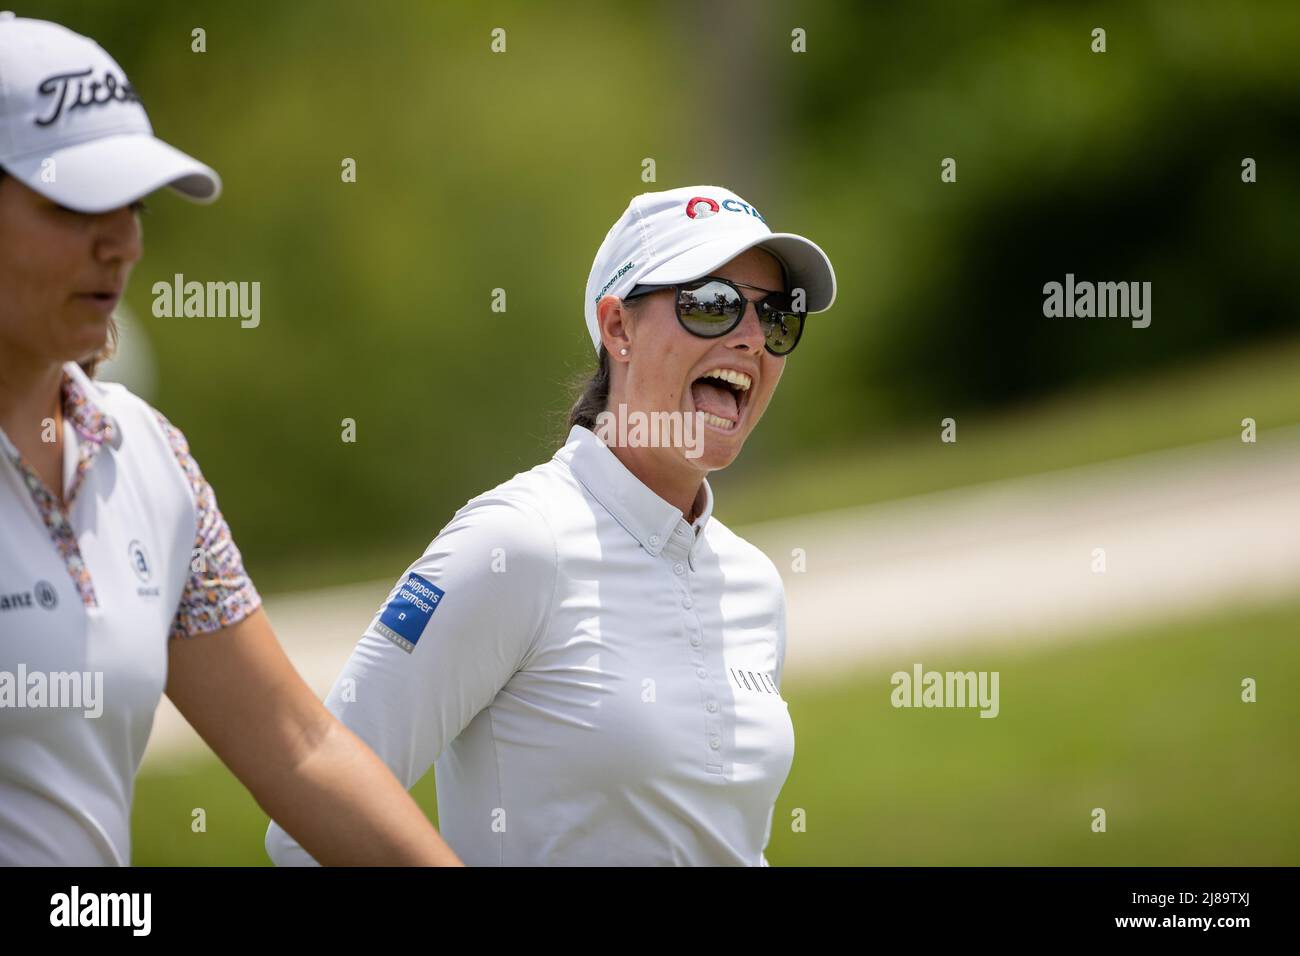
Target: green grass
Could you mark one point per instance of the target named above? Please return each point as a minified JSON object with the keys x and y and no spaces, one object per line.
{"x":1147,"y":724}
{"x":236,"y":826}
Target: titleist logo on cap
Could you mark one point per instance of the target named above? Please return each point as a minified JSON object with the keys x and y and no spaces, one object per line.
{"x":73,"y":91}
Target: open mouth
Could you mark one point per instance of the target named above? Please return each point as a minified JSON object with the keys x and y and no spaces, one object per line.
{"x":722,"y":395}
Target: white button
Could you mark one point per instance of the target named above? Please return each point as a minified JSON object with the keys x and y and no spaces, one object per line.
{"x":679,"y":532}
{"x":654,"y":540}
{"x":679,"y":568}
{"x":702,"y":672}
{"x":695,"y":642}
{"x":686,"y":602}
{"x":714,"y":743}
{"x":713,"y":707}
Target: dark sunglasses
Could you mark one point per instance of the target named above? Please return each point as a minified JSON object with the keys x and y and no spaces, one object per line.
{"x":712,"y":306}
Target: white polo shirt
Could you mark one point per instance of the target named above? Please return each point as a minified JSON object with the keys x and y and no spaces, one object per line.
{"x":594,"y":680}
{"x":90,"y":592}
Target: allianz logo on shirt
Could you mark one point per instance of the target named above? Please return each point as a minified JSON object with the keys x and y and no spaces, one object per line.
{"x":754,"y":681}
{"x":42,"y":594}
{"x":143,"y":569}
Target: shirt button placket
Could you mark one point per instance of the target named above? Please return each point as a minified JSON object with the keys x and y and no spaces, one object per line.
{"x":677,"y":551}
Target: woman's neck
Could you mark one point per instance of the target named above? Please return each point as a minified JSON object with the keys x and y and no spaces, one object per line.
{"x":29,"y":394}
{"x":670,"y":478}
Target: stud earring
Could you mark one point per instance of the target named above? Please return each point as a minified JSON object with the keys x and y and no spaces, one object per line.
{"x":622,"y":351}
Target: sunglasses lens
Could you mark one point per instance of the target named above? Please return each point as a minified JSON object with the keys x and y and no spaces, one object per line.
{"x":782,"y":330}
{"x":709,"y":309}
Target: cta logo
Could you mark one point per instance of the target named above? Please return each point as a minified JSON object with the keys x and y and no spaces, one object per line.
{"x":702,"y":207}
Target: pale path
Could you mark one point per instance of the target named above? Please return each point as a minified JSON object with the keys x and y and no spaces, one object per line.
{"x":1011,"y":561}
{"x":1182,"y":531}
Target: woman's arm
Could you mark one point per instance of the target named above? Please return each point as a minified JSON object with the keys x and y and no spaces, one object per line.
{"x":311,"y":774}
{"x":460,"y":622}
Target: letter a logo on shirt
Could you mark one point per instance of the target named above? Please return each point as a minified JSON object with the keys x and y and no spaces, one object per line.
{"x":406,"y":615}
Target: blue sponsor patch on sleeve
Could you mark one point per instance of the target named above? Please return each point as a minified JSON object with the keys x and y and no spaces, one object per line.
{"x":407,"y":614}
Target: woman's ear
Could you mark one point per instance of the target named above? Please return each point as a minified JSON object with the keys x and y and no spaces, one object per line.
{"x":613,"y":317}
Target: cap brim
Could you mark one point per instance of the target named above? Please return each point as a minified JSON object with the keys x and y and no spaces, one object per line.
{"x":114,"y":171}
{"x":807,"y":267}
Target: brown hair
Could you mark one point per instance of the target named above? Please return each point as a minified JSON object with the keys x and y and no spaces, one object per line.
{"x":593,"y":393}
{"x":593,"y":397}
{"x":93,"y":361}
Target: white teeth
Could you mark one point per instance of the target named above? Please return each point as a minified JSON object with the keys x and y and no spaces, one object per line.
{"x":712,"y":419}
{"x":739,"y":379}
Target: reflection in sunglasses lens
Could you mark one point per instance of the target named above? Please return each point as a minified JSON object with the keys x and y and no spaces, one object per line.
{"x":710,"y":309}
{"x":782,"y":331}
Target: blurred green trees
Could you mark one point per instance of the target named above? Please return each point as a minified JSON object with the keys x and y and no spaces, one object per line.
{"x":478,"y":171}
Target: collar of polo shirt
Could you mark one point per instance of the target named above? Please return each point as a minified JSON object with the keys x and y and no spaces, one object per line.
{"x":82,"y":410}
{"x":98,"y":425}
{"x":655,"y":523}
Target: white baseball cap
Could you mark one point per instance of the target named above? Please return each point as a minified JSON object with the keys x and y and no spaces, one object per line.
{"x":682,"y":234}
{"x":72,"y":128}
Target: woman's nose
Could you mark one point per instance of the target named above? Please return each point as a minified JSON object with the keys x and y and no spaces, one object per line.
{"x":118,"y":236}
{"x":750,"y":330}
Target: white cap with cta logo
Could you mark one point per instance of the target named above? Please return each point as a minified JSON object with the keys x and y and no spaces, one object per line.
{"x":73,"y":129}
{"x":682,"y":234}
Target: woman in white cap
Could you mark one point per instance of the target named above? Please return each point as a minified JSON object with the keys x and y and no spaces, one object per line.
{"x":118,"y":575}
{"x":590,"y":660}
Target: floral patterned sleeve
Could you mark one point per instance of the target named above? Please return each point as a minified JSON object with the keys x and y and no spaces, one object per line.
{"x":219,"y":591}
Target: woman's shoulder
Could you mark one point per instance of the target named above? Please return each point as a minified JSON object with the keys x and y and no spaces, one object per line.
{"x":143,"y":428}
{"x":119,"y":402}
{"x":153,"y":451}
{"x":512,"y":516}
{"x":150,"y":420}
{"x":734,"y":547}
{"x":535,"y":493}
